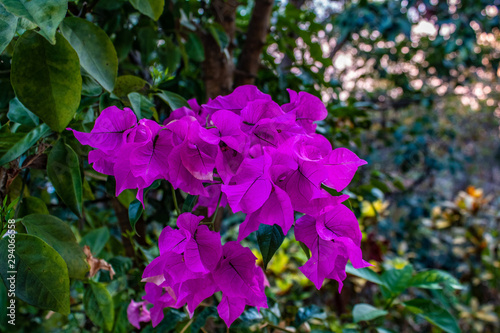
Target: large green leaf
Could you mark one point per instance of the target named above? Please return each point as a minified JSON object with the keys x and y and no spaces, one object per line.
{"x":47,"y":14}
{"x":364,"y":273}
{"x":270,"y":238}
{"x":41,"y":273}
{"x":58,"y":234}
{"x":13,"y":145}
{"x":99,"y":305}
{"x":126,"y":84}
{"x":141,"y":105}
{"x":63,"y":169}
{"x":194,"y":48}
{"x":8,"y":25}
{"x":20,"y":114}
{"x":366,"y":312}
{"x":396,"y":280}
{"x":173,"y":100}
{"x":434,"y":314}
{"x":95,"y":50}
{"x":151,"y":8}
{"x":433,"y":279}
{"x":96,"y":240}
{"x":32,"y":205}
{"x":46,"y":78}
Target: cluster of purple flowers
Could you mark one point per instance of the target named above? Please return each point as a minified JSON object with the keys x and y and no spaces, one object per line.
{"x":245,"y":151}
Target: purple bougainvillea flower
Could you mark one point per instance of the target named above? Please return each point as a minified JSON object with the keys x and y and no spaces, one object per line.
{"x":239,"y":279}
{"x":180,"y":113}
{"x":237,"y":100}
{"x":122,"y":171}
{"x":260,"y":109}
{"x":161,"y":298}
{"x":230,"y":309}
{"x":211,"y":201}
{"x":306,"y":108}
{"x":102,"y":161}
{"x":276,"y":210}
{"x":203,"y":250}
{"x":252,"y":185}
{"x":137,"y":312}
{"x":320,"y":204}
{"x":228,"y":128}
{"x":324,"y":252}
{"x":339,"y":221}
{"x":173,"y":240}
{"x":201,"y":247}
{"x":341,"y":165}
{"x":108,"y":130}
{"x":192,"y":292}
{"x":196,"y":149}
{"x":150,"y":160}
{"x":180,"y":177}
{"x":259,"y":158}
{"x":227,"y":163}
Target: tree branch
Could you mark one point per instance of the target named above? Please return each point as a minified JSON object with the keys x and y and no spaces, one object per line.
{"x":258,"y":28}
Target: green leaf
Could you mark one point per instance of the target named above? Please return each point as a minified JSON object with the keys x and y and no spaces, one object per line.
{"x":135,"y":210}
{"x":141,"y":105}
{"x":364,"y":273}
{"x":99,"y":306}
{"x":13,"y":145}
{"x":42,"y":276}
{"x":126,"y":84}
{"x":194,"y":48}
{"x":434,"y":314}
{"x":151,"y":8}
{"x":63,"y":169}
{"x":96,"y":239}
{"x":46,"y":78}
{"x":396,"y":280}
{"x":20,"y":114}
{"x":32,"y":205}
{"x":169,"y":55}
{"x":189,"y":203}
{"x":47,"y":14}
{"x":8,"y":25}
{"x":269,"y":239}
{"x":59,"y":236}
{"x":305,"y":249}
{"x":366,"y":312}
{"x":433,"y":279}
{"x":219,"y":35}
{"x":95,"y":50}
{"x":172,"y":99}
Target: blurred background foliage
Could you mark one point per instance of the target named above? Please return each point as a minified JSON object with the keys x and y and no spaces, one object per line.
{"x":411,"y":86}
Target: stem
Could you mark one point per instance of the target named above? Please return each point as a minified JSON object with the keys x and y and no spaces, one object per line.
{"x":216,"y":209}
{"x":187,"y":325}
{"x":175,"y":200}
{"x":279,"y":328}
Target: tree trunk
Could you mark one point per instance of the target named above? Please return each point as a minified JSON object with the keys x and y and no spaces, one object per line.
{"x":258,"y":28}
{"x":218,"y":66}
